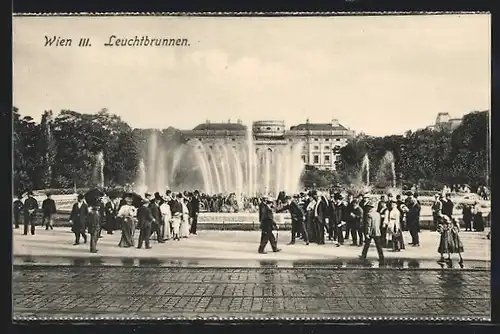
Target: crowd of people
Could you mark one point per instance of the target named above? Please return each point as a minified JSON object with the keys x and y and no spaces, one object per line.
{"x":315,"y":216}
{"x":165,"y":217}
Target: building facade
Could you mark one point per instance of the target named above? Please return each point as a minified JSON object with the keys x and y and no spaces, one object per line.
{"x":445,"y":122}
{"x":320,"y":142}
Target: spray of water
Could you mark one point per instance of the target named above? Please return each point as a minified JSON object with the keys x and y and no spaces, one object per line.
{"x":98,"y":171}
{"x":240,"y":168}
{"x":387,"y":172}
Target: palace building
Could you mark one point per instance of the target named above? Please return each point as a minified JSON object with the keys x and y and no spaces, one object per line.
{"x":321,"y":142}
{"x":445,"y":122}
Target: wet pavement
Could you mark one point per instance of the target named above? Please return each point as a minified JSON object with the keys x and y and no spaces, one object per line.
{"x":187,"y":288}
{"x":337,"y":263}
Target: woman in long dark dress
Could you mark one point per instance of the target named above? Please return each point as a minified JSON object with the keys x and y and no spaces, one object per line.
{"x":478,"y":220}
{"x":127,"y":214}
{"x":449,"y":242}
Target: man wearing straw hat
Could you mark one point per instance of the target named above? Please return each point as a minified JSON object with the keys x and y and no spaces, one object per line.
{"x":267,"y":224}
{"x":372,"y":226}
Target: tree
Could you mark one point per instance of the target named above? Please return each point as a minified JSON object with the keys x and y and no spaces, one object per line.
{"x":22,"y":181}
{"x":46,"y":149}
{"x":426,"y":157}
{"x":313,"y":177}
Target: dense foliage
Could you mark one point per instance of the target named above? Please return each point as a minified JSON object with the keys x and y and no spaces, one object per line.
{"x":428,"y":158}
{"x":60,"y":152}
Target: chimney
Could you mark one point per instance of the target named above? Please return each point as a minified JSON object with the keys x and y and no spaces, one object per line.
{"x":229,"y":120}
{"x":239,"y":121}
{"x":335,"y":123}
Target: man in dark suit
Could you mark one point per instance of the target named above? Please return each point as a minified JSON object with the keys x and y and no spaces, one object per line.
{"x":448,"y":205}
{"x":340,"y":218}
{"x":194,"y":211}
{"x":413,"y":219}
{"x":48,"y":210}
{"x":267,"y":224}
{"x":30,"y":207}
{"x":383,"y":200}
{"x":467,"y":216}
{"x":111,"y":212}
{"x":145,"y":220}
{"x":18,"y":210}
{"x":78,"y":219}
{"x":101,"y":210}
{"x":154,"y":206}
{"x":94,"y":226}
{"x":356,"y":221}
{"x":321,"y":213}
{"x":297,"y":215}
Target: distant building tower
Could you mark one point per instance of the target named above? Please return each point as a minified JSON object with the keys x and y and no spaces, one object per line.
{"x":442,"y":117}
{"x":445,"y":122}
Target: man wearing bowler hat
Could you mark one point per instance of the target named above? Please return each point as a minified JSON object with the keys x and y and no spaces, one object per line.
{"x":145,"y":221}
{"x":267,"y":225}
{"x":297,"y":215}
{"x":30,"y":207}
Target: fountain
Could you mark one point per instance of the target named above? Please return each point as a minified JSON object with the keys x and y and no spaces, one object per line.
{"x":221,"y":166}
{"x":98,"y":170}
{"x":141,"y":186}
{"x":387,"y":166}
{"x":361,"y":184}
{"x":365,"y":166}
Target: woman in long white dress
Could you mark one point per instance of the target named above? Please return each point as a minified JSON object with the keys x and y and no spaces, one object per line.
{"x":393,"y":224}
{"x":184,"y":228}
{"x":166,"y":216}
{"x":128,"y":215}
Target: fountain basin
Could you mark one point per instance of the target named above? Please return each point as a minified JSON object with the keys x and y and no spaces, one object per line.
{"x":241,"y":221}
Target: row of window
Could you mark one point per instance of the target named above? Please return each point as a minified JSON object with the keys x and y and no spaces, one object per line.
{"x":337,"y":147}
{"x":327,"y":139}
{"x":315,"y":139}
{"x":326,"y":159}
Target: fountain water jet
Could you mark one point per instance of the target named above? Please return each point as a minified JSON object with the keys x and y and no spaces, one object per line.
{"x":98,"y":170}
{"x":141,"y":186}
{"x":240,"y":167}
{"x":387,"y":164}
{"x":365,"y":166}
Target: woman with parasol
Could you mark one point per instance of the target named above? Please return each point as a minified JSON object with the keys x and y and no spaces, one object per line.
{"x":128,"y":214}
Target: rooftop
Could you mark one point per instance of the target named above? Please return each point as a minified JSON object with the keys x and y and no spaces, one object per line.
{"x":221,"y":127}
{"x":318,"y":126}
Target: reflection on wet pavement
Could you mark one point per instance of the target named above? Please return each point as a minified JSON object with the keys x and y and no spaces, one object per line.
{"x":189,"y":288}
{"x":392,"y":263}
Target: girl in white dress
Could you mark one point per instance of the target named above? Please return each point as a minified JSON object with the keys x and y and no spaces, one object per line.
{"x":184,"y":228}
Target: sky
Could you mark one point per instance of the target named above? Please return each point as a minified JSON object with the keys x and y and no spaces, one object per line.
{"x":379,"y":75}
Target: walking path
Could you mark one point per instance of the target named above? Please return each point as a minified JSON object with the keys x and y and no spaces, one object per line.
{"x":219,"y":275}
{"x":232,"y":245}
{"x":94,"y":293}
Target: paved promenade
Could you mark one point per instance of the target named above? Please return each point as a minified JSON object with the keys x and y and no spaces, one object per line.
{"x":94,"y":292}
{"x":233,"y":245}
{"x":219,"y":274}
